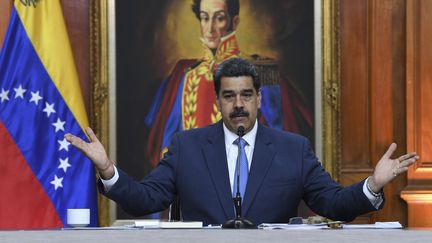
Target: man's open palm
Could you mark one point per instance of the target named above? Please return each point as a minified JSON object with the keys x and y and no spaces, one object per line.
{"x":94,"y":151}
{"x":387,"y":168}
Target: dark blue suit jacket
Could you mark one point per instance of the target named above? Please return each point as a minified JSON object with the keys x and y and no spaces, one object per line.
{"x":284,"y":170}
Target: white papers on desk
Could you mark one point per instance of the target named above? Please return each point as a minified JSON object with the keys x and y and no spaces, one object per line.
{"x":377,"y":225}
{"x":163,"y":224}
{"x":146,"y":223}
{"x":101,"y":228}
{"x":292,"y":226}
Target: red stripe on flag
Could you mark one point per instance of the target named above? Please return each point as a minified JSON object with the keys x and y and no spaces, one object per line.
{"x":23,"y":201}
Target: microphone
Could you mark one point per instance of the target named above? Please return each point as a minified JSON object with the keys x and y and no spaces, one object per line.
{"x":240,"y":131}
{"x":238,"y":222}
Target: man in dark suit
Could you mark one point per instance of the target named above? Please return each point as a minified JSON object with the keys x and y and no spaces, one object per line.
{"x":200,"y":166}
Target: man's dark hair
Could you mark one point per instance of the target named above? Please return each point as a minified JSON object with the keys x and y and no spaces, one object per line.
{"x":232,"y":5}
{"x":235,"y":67}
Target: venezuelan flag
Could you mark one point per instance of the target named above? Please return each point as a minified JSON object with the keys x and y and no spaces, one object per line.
{"x":42,"y":175}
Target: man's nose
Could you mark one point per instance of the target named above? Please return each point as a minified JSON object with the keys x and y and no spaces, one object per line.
{"x":238,"y":101}
{"x":212,"y":25}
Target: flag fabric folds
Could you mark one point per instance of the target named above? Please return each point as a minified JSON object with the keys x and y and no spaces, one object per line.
{"x":42,"y":175}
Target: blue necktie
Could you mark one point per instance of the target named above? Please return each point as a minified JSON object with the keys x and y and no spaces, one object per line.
{"x":244,"y":168}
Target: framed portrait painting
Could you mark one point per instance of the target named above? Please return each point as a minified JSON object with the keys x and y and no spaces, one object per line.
{"x":152,"y":64}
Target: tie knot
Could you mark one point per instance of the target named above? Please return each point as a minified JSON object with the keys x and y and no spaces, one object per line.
{"x":240,"y":141}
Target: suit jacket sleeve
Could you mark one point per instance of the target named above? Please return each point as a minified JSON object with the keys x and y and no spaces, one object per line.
{"x":326,"y":197}
{"x":154,"y":193}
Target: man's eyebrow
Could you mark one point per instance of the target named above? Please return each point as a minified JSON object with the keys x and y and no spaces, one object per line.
{"x":220,"y":11}
{"x":247,"y":90}
{"x":241,"y":91}
{"x":217,"y":12}
{"x":227,"y":91}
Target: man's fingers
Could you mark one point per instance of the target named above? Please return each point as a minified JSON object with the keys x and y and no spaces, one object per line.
{"x":76,"y":141}
{"x":407,"y":156}
{"x":400,"y":170}
{"x":409,"y":161}
{"x":403,"y":170}
{"x":390,"y":151}
{"x":91,"y":135}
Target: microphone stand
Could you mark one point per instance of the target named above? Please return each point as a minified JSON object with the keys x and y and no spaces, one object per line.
{"x":238,"y":222}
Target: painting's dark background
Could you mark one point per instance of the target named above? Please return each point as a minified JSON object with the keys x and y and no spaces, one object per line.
{"x":137,"y":23}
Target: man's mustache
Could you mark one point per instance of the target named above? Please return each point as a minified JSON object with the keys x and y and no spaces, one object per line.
{"x":238,"y":113}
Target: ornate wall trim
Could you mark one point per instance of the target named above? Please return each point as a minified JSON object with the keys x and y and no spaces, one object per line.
{"x":99,"y":76}
{"x":331,"y":87}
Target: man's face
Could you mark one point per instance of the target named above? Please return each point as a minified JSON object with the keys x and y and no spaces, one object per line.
{"x":238,"y":102}
{"x":215,"y":22}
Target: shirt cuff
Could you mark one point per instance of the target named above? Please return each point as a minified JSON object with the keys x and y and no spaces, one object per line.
{"x":108,"y":184}
{"x":376,"y":201}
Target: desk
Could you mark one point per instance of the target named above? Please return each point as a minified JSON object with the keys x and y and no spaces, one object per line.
{"x":217,"y":235}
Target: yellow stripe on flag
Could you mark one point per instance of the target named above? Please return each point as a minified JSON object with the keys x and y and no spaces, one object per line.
{"x":46,"y":29}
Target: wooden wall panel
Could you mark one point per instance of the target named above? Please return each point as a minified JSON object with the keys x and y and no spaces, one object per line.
{"x":386,"y":92}
{"x":387,"y":28}
{"x":372,"y":38}
{"x":354,"y":86}
{"x":418,"y":193}
{"x":423,"y":95}
{"x":76,"y":15}
{"x":5,"y":10}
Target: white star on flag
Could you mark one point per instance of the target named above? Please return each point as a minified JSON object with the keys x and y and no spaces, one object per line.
{"x":19,"y":92}
{"x":59,"y":125}
{"x":64,"y":144}
{"x":64,"y":164}
{"x":57,"y":182}
{"x":4,"y":95}
{"x":49,"y":109}
{"x":35,"y":97}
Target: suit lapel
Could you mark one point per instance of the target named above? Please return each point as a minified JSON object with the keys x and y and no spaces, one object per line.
{"x":215,"y":154}
{"x":262,"y":158}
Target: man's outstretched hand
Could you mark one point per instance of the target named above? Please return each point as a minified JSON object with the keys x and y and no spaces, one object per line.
{"x":387,"y":169}
{"x":95,"y":152}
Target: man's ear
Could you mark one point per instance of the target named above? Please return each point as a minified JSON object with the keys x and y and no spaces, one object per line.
{"x":259,"y":98}
{"x":235,"y":21}
{"x":218,"y":103}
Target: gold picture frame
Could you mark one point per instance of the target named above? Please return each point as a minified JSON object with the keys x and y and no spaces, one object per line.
{"x":101,"y":14}
{"x":330,"y":91}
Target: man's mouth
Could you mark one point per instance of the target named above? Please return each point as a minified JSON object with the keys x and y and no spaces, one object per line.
{"x":211,"y":38}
